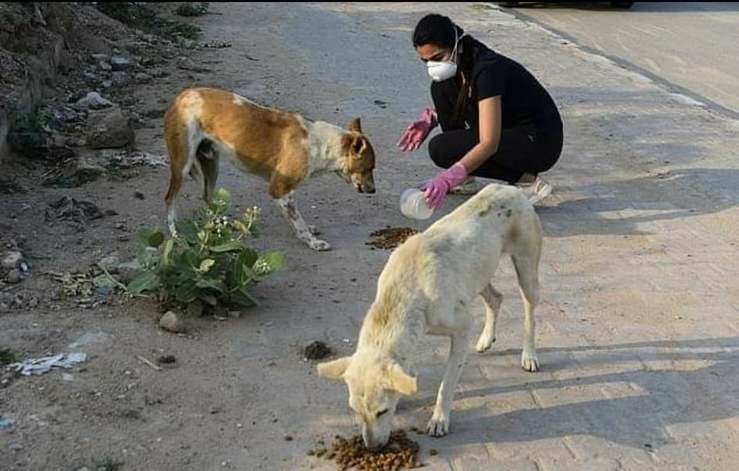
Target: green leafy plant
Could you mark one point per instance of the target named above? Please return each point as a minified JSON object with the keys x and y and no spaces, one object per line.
{"x":208,"y":260}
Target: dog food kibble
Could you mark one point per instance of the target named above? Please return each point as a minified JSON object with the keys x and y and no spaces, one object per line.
{"x":399,"y":453}
{"x":390,"y":237}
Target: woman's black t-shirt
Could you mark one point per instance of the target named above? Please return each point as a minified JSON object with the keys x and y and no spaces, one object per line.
{"x":524,"y":101}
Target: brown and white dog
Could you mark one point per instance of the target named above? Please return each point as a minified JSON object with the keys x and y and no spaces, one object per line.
{"x":281,"y":147}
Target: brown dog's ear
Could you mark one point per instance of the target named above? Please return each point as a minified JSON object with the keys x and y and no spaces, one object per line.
{"x":355,"y":125}
{"x":334,"y":369}
{"x":401,"y":381}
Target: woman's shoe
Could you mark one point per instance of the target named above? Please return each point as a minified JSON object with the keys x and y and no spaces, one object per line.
{"x":468,"y":187}
{"x":537,"y":190}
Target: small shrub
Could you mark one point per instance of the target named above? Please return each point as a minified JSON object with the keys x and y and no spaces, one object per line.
{"x":7,"y":356}
{"x":208,"y":259}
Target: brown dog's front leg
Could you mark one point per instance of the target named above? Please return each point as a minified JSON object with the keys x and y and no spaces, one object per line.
{"x":302,"y":231}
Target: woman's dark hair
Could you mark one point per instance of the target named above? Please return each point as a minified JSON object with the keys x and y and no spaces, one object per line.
{"x":439,"y":30}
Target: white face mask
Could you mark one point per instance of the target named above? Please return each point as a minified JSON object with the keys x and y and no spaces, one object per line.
{"x":440,"y":71}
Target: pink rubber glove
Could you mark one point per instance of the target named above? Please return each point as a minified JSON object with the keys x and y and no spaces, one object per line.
{"x":436,"y":190}
{"x":417,"y":132}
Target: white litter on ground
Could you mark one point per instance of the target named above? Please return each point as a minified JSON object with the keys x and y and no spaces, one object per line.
{"x":39,"y":366}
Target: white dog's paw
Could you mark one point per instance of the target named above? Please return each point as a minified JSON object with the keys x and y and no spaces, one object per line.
{"x":314,"y":230}
{"x":485,"y":342}
{"x":319,"y":245}
{"x":529,"y":362}
{"x":438,"y":426}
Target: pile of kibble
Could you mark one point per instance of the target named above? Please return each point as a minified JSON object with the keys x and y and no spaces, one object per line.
{"x":390,"y":237}
{"x":400,"y":453}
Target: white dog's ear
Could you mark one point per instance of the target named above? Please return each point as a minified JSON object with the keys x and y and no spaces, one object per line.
{"x":334,"y":369}
{"x":401,"y":381}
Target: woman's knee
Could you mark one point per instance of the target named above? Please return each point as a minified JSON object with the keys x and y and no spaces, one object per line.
{"x":440,"y":152}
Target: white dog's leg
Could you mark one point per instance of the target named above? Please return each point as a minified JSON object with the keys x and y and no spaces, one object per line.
{"x":492,"y":300}
{"x":293,"y":216}
{"x":528,"y":280}
{"x":438,"y":426}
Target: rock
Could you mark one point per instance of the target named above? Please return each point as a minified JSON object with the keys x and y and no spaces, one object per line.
{"x":120,"y":79}
{"x":100,"y":57}
{"x":120,"y":63}
{"x":138,"y":195}
{"x":94,"y":101}
{"x":14,"y":276}
{"x":105,"y":66}
{"x":90,"y":77}
{"x":128,"y":271}
{"x":110,"y":263}
{"x":172,"y":322}
{"x":108,"y":129}
{"x":11,"y":260}
{"x":141,"y":77}
{"x":87,"y":170}
{"x":4,"y":307}
{"x":195,"y":309}
{"x":107,"y":84}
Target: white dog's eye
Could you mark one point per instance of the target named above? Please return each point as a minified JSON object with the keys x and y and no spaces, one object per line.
{"x":384,"y":411}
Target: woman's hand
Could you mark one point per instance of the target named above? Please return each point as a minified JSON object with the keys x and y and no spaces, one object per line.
{"x":436,"y":190}
{"x":417,"y":131}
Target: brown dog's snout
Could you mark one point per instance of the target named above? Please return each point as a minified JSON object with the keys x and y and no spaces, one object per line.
{"x":365,"y":185}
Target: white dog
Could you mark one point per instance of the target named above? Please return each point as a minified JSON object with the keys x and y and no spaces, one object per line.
{"x":427,"y":286}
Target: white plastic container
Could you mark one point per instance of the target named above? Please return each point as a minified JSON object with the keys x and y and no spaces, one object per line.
{"x":413,"y":204}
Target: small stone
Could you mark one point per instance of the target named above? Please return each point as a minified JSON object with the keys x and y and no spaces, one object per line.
{"x":172,"y":322}
{"x":110,"y":263}
{"x":100,"y":57}
{"x":107,"y":84}
{"x":16,"y":446}
{"x":14,"y":276}
{"x":120,"y":79}
{"x":288,"y":438}
{"x":139,"y":195}
{"x":141,"y":77}
{"x":11,"y":260}
{"x":105,"y":66}
{"x":109,"y":129}
{"x":120,"y":63}
{"x":167,"y":360}
{"x":94,"y":101}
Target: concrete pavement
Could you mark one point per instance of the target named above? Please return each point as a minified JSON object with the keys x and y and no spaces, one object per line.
{"x":688,"y":46}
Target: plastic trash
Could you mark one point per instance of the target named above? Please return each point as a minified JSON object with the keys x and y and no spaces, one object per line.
{"x":39,"y":366}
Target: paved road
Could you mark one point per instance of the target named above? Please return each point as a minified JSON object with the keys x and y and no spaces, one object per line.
{"x":691,"y":45}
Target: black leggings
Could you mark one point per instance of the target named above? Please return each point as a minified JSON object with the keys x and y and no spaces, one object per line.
{"x":521,"y":150}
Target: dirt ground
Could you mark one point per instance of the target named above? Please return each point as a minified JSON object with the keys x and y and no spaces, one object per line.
{"x":240,"y":394}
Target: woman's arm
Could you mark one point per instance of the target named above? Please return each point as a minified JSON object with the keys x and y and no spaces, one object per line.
{"x":490,"y":125}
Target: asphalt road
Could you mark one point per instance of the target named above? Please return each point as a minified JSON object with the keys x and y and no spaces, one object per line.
{"x":692,"y":47}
